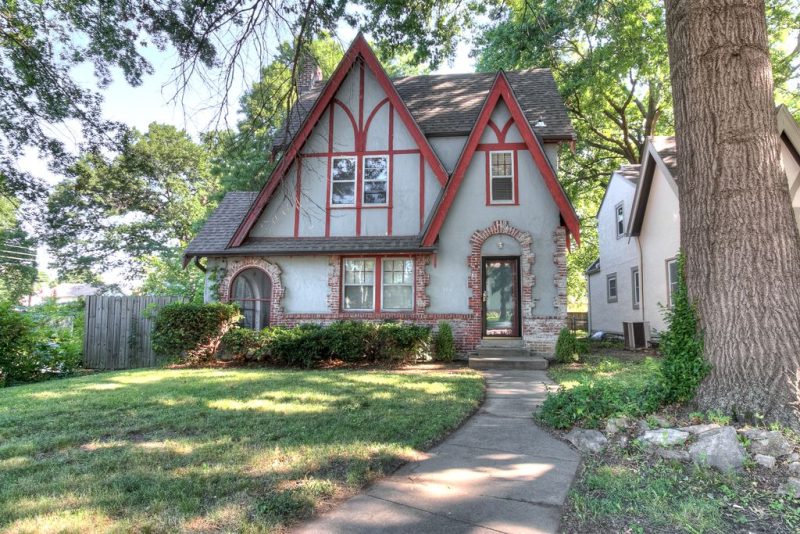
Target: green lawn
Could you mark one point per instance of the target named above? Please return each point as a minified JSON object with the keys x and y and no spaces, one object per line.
{"x":634,"y":370}
{"x":211,"y":449}
{"x":628,"y":489}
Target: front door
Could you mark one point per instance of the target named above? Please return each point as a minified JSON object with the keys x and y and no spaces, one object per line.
{"x":501,"y":297}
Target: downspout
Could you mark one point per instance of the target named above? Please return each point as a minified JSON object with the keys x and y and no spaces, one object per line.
{"x":589,"y":305}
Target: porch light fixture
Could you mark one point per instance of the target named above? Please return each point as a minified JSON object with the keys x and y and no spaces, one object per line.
{"x":500,"y":244}
{"x":540,"y":123}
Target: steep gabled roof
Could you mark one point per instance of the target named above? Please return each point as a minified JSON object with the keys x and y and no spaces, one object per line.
{"x":658,"y":151}
{"x":501,"y":89}
{"x":629,"y":173}
{"x":359,"y":49}
{"x":449,"y":104}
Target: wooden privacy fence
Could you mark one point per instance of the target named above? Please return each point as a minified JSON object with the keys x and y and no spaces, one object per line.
{"x":578,"y":321}
{"x":118,"y":332}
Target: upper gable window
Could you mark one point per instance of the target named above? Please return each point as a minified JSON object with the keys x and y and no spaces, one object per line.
{"x":376,"y":177}
{"x":619,"y":214}
{"x":343,"y":176}
{"x":501,"y":177}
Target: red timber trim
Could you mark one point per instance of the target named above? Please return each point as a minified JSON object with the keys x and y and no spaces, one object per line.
{"x":421,"y":193}
{"x":328,"y":176}
{"x":486,"y":147}
{"x":365,"y":153}
{"x":390,"y":185}
{"x":358,"y":49}
{"x":502,"y":89}
{"x":297,"y":193}
{"x":488,"y":179}
{"x":361,"y":140}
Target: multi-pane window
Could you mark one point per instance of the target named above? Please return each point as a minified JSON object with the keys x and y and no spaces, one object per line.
{"x":620,"y":219}
{"x":343,"y":178}
{"x":611,"y":287}
{"x":672,"y":279}
{"x":359,"y":284}
{"x":501,"y":174}
{"x":398,"y":284}
{"x":636,"y":287}
{"x":376,"y":176}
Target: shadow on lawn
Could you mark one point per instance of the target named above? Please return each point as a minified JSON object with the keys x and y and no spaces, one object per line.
{"x":217,"y":449}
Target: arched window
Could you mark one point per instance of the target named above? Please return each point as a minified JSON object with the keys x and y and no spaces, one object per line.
{"x":252,"y":291}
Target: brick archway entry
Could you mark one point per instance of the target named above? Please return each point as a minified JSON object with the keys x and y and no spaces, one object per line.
{"x":526,"y":279}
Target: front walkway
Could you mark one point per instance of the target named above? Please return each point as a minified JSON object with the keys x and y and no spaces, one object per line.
{"x":497,"y":473}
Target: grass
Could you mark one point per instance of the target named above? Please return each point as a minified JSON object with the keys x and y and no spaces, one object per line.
{"x":211,"y":449}
{"x":634,"y":371}
{"x":627,"y":489}
{"x":632,"y":492}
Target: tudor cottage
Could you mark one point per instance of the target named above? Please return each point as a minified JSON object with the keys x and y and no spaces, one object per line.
{"x":419,"y":199}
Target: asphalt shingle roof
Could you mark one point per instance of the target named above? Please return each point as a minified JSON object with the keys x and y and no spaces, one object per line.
{"x":449,"y":104}
{"x":221,"y":225}
{"x":665,"y":146}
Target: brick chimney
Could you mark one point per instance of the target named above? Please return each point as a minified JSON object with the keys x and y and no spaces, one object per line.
{"x":308,"y":73}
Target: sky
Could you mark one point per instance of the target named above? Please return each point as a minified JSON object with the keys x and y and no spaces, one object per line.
{"x":153,"y":101}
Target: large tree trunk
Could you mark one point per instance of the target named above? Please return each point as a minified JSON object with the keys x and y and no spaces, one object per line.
{"x":738,"y":232}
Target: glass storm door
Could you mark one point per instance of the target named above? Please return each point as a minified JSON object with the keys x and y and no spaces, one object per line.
{"x":501,"y":297}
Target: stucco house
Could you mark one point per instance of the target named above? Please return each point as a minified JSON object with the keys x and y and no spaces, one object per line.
{"x":416,"y":199}
{"x":639,"y":234}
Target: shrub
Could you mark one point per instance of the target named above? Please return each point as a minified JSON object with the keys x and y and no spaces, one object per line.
{"x":247,"y":345}
{"x":192,"y":332}
{"x":568,"y":347}
{"x":352,"y":341}
{"x":444,"y":345}
{"x":301,"y":346}
{"x":683,"y":366}
{"x":32,"y":347}
{"x":310,"y":344}
{"x":403,"y":342}
{"x":589,"y":404}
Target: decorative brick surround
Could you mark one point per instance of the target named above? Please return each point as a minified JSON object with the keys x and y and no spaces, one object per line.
{"x":237,"y":265}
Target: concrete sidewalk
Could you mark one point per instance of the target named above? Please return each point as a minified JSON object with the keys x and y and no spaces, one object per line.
{"x":497,"y":473}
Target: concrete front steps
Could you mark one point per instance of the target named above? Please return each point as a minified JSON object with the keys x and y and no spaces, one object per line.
{"x":504,"y":354}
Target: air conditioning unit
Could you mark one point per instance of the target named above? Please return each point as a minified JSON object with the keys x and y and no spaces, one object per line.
{"x":637,"y":335}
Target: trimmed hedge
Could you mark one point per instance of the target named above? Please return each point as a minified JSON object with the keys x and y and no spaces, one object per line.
{"x":311,"y":344}
{"x":188,"y":332}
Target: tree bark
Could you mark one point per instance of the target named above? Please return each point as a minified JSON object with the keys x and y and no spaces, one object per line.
{"x":738,"y":232}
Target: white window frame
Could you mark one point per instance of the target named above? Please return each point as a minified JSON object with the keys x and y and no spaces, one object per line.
{"x":355,"y":181}
{"x":364,"y":180}
{"x":492,"y":177}
{"x":636,"y":287}
{"x":670,"y":282}
{"x":345,"y":285}
{"x":615,"y":298}
{"x":384,"y":284}
{"x":619,"y":219}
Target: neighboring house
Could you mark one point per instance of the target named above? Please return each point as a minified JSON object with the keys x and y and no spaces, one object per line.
{"x":419,"y":199}
{"x":60,"y":293}
{"x":652,"y":236}
{"x":613,"y":297}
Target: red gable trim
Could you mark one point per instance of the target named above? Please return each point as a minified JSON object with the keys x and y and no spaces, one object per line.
{"x":502,"y":89}
{"x":359,"y":48}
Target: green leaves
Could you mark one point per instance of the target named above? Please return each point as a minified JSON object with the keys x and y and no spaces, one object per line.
{"x":149,"y":200}
{"x":684,"y":366}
